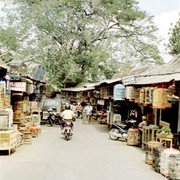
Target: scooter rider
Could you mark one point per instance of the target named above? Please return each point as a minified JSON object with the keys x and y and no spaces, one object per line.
{"x":67,"y":115}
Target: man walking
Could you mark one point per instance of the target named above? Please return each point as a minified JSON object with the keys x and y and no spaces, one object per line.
{"x":87,"y":113}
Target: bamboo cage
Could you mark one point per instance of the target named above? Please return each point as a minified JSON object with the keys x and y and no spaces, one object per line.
{"x":160,"y":98}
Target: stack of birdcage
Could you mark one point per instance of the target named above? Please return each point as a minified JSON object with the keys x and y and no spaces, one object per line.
{"x":174,"y":166}
{"x":156,"y":158}
{"x":165,"y":160}
{"x":1,"y":97}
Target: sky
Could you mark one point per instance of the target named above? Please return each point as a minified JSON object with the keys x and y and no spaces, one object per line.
{"x":165,"y":12}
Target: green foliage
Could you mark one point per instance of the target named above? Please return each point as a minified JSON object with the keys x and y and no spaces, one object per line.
{"x":75,"y":40}
{"x":8,"y":39}
{"x":174,"y":40}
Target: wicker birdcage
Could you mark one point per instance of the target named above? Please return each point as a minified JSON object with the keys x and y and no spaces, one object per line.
{"x":160,"y":98}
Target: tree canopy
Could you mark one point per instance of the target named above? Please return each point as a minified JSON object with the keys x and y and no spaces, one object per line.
{"x":81,"y":40}
{"x":174,"y":40}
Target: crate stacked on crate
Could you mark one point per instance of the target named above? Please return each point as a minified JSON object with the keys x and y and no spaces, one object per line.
{"x":35,"y":112}
{"x":156,"y":159}
{"x":27,"y":113}
{"x":165,"y":160}
{"x":8,"y":140}
{"x":18,"y":117}
{"x":174,"y":166}
{"x":19,"y":138}
{"x":4,"y":120}
{"x":1,"y":97}
{"x":21,"y":110}
{"x":35,"y":118}
{"x":7,"y":100}
{"x":26,"y":134}
{"x":149,"y":156}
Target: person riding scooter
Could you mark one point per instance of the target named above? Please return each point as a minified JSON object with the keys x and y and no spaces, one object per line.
{"x":67,"y":115}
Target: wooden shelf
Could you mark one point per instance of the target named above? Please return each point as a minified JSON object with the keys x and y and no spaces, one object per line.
{"x":148,"y":134}
{"x":166,"y":142}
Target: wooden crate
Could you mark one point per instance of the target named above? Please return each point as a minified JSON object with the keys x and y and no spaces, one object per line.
{"x":34,"y":104}
{"x":4,"y":120}
{"x":8,"y":140}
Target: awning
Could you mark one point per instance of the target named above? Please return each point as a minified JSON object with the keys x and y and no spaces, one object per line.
{"x":77,"y":89}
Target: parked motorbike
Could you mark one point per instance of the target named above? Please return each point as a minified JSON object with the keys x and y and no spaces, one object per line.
{"x":118,"y":130}
{"x":54,"y":118}
{"x":68,"y":128}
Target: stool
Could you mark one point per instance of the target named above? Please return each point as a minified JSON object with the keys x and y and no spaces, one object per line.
{"x":27,"y":137}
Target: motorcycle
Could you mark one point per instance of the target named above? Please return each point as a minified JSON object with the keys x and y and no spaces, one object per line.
{"x":68,"y":127}
{"x":119,"y":130}
{"x":54,"y":118}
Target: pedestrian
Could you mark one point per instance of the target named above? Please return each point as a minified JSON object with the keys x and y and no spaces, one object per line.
{"x":79,"y":110}
{"x":84,"y":115}
{"x":88,"y":112}
{"x":73,"y":107}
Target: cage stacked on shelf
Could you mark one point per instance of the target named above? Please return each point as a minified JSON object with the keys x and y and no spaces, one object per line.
{"x":148,"y":95}
{"x":142,"y":96}
{"x":156,"y":159}
{"x":165,"y":160}
{"x":152,"y":146}
{"x":160,"y":99}
{"x":174,"y":166}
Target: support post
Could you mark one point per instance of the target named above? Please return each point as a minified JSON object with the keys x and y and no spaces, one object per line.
{"x":178,"y":126}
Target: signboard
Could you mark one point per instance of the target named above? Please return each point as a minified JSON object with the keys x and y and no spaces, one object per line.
{"x":18,"y":86}
{"x":129,"y":80}
{"x":119,"y":92}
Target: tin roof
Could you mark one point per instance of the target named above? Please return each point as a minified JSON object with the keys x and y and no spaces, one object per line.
{"x":159,"y":74}
{"x":153,"y":79}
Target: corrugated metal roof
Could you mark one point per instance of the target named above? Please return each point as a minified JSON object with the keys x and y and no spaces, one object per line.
{"x":156,"y":78}
{"x":172,"y":66}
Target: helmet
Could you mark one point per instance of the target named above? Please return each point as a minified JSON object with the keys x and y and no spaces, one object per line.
{"x":67,"y":106}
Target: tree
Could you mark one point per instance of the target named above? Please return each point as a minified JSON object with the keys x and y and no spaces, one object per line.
{"x":8,"y":43}
{"x":174,"y":40}
{"x":78,"y":40}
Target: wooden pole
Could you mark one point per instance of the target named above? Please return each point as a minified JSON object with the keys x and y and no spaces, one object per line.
{"x":178,"y":126}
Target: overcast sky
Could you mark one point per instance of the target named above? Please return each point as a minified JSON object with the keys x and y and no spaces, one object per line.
{"x":165,"y":12}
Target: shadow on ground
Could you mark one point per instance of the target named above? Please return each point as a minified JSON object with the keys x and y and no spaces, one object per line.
{"x":102,"y":128}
